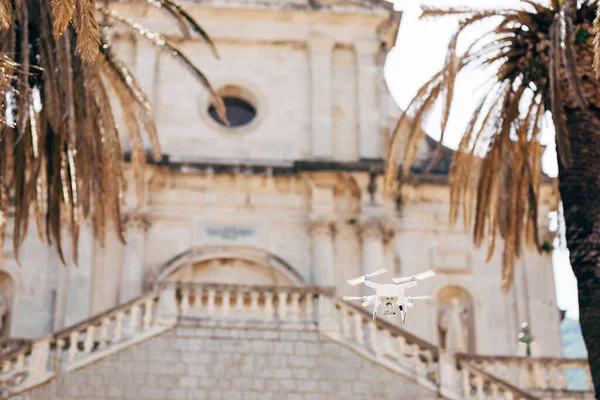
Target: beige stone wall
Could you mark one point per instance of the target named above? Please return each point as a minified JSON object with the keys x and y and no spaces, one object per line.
{"x":233,"y":364}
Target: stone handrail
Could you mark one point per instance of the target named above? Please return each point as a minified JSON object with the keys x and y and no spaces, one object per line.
{"x":10,"y":345}
{"x":218,"y":303}
{"x":79,"y":345}
{"x":477,"y":384}
{"x":534,"y":374}
{"x":385,"y":343}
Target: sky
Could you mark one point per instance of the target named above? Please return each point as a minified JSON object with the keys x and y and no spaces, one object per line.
{"x":419,"y":53}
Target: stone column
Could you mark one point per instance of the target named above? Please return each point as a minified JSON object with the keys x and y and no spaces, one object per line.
{"x":371,"y":233}
{"x":374,"y":234}
{"x":79,"y":294}
{"x":134,"y":261}
{"x":320,"y":52}
{"x":322,"y":258}
{"x":370,"y":146}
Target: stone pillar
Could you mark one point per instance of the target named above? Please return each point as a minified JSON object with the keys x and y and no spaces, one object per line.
{"x":370,"y":145}
{"x":320,"y":50}
{"x":373,"y":234}
{"x":79,"y":294}
{"x":134,"y":261}
{"x":322,"y":258}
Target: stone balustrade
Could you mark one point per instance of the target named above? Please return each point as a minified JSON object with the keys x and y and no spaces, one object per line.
{"x":8,"y":345}
{"x":477,"y":384}
{"x":537,"y":375}
{"x":460,"y":377}
{"x":77,"y":346}
{"x":386,"y":343}
{"x":286,"y":306}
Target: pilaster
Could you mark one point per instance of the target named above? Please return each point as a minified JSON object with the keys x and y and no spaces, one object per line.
{"x":322,"y":256}
{"x":79,"y":294}
{"x":370,"y":144}
{"x":320,"y":50}
{"x":374,"y":234}
{"x":132,"y":273}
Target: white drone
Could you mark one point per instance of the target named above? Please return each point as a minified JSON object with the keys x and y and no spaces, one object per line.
{"x":388,"y":294}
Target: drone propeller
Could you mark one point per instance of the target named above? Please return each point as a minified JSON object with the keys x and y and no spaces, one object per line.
{"x":414,"y":278}
{"x":365,"y":299}
{"x":365,"y":278}
{"x":410,"y":299}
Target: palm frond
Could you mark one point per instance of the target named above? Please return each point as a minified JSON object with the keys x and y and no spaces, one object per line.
{"x":62,"y":163}
{"x":539,"y":54}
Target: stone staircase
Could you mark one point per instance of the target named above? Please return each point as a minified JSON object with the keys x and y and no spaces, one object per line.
{"x":284,"y":308}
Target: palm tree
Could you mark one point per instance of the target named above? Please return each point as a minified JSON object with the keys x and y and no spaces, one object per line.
{"x":60,"y":153}
{"x":543,"y":59}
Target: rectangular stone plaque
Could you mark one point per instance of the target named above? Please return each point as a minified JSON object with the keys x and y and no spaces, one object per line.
{"x":451,"y":261}
{"x":226,"y":233}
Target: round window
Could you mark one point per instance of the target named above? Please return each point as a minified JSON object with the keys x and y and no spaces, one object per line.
{"x":239,"y":112}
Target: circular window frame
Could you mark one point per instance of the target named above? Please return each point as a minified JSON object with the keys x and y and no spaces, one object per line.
{"x":243,"y":91}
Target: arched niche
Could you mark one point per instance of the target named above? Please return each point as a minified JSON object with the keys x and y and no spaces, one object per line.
{"x":455,"y":303}
{"x":230,"y":265}
{"x":7,"y":299}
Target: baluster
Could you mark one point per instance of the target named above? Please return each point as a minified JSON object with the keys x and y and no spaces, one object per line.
{"x":73,"y":349}
{"x":429,"y":360}
{"x":373,"y":342}
{"x":226,"y":303}
{"x":185,"y":301}
{"x":197,"y":307}
{"x":282,"y":305}
{"x":386,"y":339}
{"x":359,"y":334}
{"x":494,"y":390}
{"x":562,"y":376}
{"x":88,"y":342}
{"x":6,"y":365}
{"x":538,"y":376}
{"x":508,"y":395}
{"x":344,"y":322}
{"x":60,"y":347}
{"x":104,"y":332}
{"x":588,"y":377}
{"x":239,"y":304}
{"x":401,"y":342}
{"x":148,"y":310}
{"x":269,"y":309}
{"x":20,"y":362}
{"x":479,"y":387}
{"x":309,"y":307}
{"x":466,"y":383}
{"x":295,"y":307}
{"x":416,"y":359}
{"x":254,"y":310}
{"x":210,"y":303}
{"x":118,"y":326}
{"x":134,"y":322}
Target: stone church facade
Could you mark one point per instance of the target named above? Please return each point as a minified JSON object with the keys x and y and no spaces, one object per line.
{"x":230,"y":283}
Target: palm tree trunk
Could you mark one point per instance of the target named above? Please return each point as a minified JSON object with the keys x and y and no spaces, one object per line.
{"x":579,"y":187}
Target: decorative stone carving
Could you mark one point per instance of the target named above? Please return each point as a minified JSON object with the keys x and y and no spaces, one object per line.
{"x":321,"y":228}
{"x":140,"y":222}
{"x":375,"y":229}
{"x":454,"y":325}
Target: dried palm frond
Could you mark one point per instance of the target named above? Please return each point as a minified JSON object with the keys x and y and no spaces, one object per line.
{"x":60,"y":150}
{"x":540,"y":54}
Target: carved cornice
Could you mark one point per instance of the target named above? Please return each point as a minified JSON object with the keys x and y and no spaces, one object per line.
{"x":321,"y":227}
{"x":136,"y":221}
{"x":376,"y":229}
